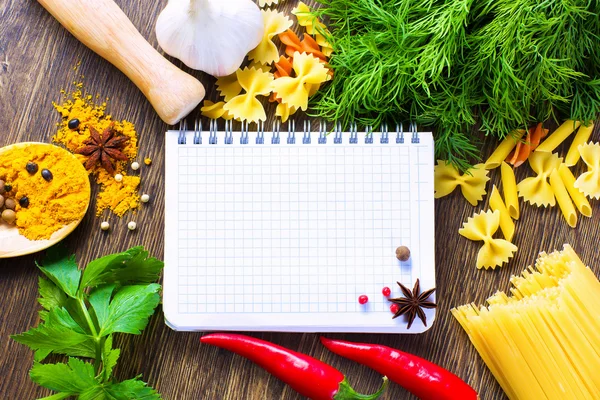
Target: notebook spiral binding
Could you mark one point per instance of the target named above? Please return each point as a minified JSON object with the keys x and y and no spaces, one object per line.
{"x":337,"y":133}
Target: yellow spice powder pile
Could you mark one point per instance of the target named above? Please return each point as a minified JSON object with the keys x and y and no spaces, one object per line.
{"x":118,"y":197}
{"x":52,"y":204}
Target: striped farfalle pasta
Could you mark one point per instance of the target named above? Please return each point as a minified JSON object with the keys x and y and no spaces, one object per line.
{"x":313,"y":27}
{"x":558,"y":136}
{"x":246,"y":107}
{"x":294,"y":91}
{"x":541,"y":341}
{"x":481,"y":227}
{"x":267,"y":3}
{"x":509,"y":188}
{"x":215,"y":110}
{"x":536,"y":190}
{"x":589,"y":182}
{"x":266,"y":51}
{"x":506,"y":223}
{"x":582,"y":136}
{"x":472,"y":183}
{"x":503,"y":150}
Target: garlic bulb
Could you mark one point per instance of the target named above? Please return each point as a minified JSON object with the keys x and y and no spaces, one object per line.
{"x":213,"y":36}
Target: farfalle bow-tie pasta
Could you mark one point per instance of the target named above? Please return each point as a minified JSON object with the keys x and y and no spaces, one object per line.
{"x":472,"y":183}
{"x":275,"y":23}
{"x":536,"y":190}
{"x":589,"y":182}
{"x":246,"y":107}
{"x":481,"y":227}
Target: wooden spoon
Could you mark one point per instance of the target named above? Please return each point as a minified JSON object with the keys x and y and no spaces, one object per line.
{"x":12,"y":243}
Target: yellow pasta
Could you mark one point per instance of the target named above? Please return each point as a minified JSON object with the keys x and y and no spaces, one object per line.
{"x":578,"y":198}
{"x":313,"y":27}
{"x":542,"y":341}
{"x":284,"y":111}
{"x":563,"y":199}
{"x":589,"y":182}
{"x":246,"y":107}
{"x":266,"y":51}
{"x":506,"y":223}
{"x":472,"y":183}
{"x":509,"y":188}
{"x":294,"y":91}
{"x":215,"y":110}
{"x":558,"y":136}
{"x":536,"y":190}
{"x":268,"y":3}
{"x":503,"y":150}
{"x":228,"y":86}
{"x":582,"y":136}
{"x":481,"y":227}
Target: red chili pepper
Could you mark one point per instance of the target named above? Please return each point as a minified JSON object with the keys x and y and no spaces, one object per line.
{"x":422,"y":378}
{"x":308,"y":376}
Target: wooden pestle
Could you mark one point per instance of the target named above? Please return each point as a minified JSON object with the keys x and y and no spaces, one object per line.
{"x":103,"y":27}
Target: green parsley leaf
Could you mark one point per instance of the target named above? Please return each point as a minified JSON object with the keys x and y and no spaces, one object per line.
{"x":62,"y":270}
{"x":100,"y":299}
{"x":110,"y":357}
{"x":132,"y":389}
{"x":130,"y":309}
{"x":131,"y":266}
{"x":57,"y":396}
{"x":74,"y":377}
{"x":50,"y":295}
{"x":48,"y":338}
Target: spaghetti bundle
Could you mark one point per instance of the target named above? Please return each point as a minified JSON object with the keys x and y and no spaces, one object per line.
{"x":543,"y":340}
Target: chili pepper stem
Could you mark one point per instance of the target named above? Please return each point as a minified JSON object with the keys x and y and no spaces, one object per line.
{"x":346,"y":392}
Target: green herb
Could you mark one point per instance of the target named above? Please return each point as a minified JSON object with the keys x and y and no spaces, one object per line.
{"x":81,"y":312}
{"x":455,"y":64}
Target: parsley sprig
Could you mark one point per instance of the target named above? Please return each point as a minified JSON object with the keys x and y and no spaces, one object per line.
{"x":82,"y":309}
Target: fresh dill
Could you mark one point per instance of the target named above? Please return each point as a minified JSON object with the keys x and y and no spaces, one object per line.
{"x":452,"y":65}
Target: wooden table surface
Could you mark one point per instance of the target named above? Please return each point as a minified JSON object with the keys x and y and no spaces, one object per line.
{"x":37,"y":57}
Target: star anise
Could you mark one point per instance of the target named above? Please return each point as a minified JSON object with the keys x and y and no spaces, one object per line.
{"x":103,"y":148}
{"x":412,"y":303}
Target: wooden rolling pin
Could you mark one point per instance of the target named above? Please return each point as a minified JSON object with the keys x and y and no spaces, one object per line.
{"x":103,"y":27}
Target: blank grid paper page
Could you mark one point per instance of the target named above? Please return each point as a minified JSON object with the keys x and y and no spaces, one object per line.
{"x":288,"y":236}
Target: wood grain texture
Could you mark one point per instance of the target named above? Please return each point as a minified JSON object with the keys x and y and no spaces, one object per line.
{"x":36,"y":60}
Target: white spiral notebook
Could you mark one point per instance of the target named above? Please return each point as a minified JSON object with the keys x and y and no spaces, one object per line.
{"x":283,"y":231}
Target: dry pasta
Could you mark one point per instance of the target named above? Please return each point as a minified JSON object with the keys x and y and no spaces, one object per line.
{"x":558,"y":136}
{"x":228,"y":86}
{"x":481,"y":227}
{"x":472,"y":183}
{"x":293,"y":91}
{"x":536,"y":190}
{"x":246,"y":107}
{"x":266,"y":51}
{"x":509,"y":188}
{"x":589,"y":182}
{"x":503,"y":150}
{"x":582,"y":136}
{"x":267,"y":3}
{"x":542,"y":341}
{"x":313,"y":27}
{"x":563,"y":199}
{"x":578,"y":198}
{"x":506,"y":223}
{"x":215,"y":110}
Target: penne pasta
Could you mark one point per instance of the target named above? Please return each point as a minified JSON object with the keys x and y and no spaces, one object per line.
{"x":509,"y":188}
{"x":563,"y":199}
{"x":581,"y":202}
{"x":558,"y":136}
{"x":506,"y":223}
{"x":503,"y":150}
{"x":582,"y":136}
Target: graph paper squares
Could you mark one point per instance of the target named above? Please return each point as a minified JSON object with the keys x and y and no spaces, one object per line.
{"x":302,"y":228}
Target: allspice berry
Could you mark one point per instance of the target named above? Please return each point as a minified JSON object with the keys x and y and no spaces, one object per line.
{"x":9,"y":216}
{"x":402,"y":253}
{"x":2,"y":189}
{"x":1,"y":201}
{"x":10,"y":204}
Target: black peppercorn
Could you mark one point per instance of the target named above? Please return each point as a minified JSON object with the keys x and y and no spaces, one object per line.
{"x":31,"y":167}
{"x":74,"y":124}
{"x":47,"y":175}
{"x":24,"y":201}
{"x":7,"y":187}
